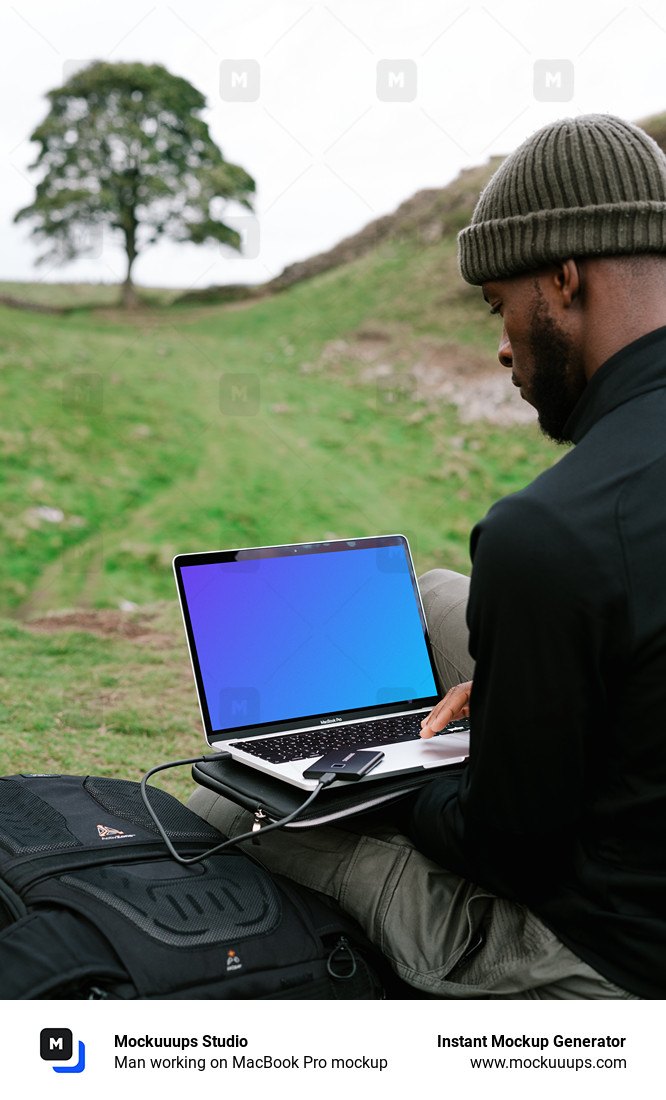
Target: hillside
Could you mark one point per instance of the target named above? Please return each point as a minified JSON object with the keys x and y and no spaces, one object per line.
{"x":427,"y":217}
{"x":121,"y":443}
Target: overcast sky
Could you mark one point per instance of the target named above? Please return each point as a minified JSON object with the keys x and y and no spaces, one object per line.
{"x":340,"y":110}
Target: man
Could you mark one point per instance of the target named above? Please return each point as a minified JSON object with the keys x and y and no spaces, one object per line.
{"x":539,"y":870}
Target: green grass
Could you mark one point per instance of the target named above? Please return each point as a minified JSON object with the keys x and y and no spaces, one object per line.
{"x":174,"y":430}
{"x":78,"y":703}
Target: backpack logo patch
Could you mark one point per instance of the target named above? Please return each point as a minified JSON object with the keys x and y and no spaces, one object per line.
{"x":107,"y":833}
{"x":233,"y":961}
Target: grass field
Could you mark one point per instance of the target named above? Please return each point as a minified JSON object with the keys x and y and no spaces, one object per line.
{"x":128,"y":438}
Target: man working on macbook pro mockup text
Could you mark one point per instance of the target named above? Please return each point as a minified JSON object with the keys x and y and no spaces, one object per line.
{"x":539,"y":869}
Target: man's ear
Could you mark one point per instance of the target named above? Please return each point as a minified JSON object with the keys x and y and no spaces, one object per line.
{"x":568,"y":281}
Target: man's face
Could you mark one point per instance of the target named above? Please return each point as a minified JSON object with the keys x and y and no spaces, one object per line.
{"x":545,"y":361}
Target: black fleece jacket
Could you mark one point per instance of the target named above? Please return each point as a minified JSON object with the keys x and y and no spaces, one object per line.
{"x":562,"y":805}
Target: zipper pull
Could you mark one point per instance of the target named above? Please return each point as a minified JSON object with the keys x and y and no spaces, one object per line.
{"x":259,"y":818}
{"x":342,"y":958}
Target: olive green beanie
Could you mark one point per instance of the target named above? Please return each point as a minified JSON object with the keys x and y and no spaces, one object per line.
{"x":588,"y":186}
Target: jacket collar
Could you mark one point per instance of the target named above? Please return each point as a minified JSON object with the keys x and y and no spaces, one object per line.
{"x":636,"y":369}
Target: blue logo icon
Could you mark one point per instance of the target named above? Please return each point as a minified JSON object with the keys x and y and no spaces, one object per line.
{"x":56,"y":1045}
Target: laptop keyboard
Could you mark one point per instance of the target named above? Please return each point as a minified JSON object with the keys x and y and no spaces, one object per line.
{"x":383,"y":731}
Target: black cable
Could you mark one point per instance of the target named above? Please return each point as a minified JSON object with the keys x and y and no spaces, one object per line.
{"x":325,"y":780}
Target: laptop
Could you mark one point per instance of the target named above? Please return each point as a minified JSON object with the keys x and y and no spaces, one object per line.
{"x":304,"y":648}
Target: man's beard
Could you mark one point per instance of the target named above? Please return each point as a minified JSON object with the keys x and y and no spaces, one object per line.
{"x":558,"y":379}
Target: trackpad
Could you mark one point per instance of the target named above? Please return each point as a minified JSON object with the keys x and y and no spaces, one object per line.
{"x":429,"y":752}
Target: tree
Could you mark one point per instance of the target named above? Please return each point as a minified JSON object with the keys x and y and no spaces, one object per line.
{"x":123,"y":146}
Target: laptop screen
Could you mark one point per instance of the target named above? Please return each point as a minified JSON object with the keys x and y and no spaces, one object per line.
{"x":305,"y":632}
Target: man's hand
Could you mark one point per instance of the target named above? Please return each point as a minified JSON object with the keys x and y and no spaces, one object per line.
{"x":455,"y":704}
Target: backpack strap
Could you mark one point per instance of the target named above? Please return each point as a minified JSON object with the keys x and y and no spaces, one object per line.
{"x":52,"y":953}
{"x":12,"y":906}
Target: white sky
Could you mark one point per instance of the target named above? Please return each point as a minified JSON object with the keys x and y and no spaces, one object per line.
{"x":327,"y":152}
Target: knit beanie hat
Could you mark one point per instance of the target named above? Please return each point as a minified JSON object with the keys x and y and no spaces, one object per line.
{"x":588,"y":186}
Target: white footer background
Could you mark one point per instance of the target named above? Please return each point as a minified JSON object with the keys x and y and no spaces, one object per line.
{"x":397,"y":1039}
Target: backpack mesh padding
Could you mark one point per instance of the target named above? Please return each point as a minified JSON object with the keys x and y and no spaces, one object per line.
{"x":225,"y":899}
{"x":28,"y":824}
{"x":123,"y":798}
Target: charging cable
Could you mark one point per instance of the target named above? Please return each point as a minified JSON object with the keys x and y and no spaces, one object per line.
{"x":324,"y":781}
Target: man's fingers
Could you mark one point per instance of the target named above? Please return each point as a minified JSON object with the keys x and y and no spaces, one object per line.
{"x":455,"y":704}
{"x":439,"y":717}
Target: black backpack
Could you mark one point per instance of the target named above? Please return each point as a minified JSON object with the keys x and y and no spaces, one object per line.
{"x":92,"y":905}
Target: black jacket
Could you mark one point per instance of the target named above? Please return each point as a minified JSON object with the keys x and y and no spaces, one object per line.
{"x":563,"y":803}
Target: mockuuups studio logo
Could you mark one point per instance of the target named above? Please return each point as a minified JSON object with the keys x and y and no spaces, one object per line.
{"x":239,"y":80}
{"x":239,"y":706}
{"x":553,"y":81}
{"x":88,"y":240}
{"x":239,"y":394}
{"x":247,"y":227}
{"x":83,"y":392}
{"x":56,"y":1045}
{"x":396,"y":81}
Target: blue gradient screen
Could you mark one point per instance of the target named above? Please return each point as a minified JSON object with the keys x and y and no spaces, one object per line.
{"x":287,"y":637}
